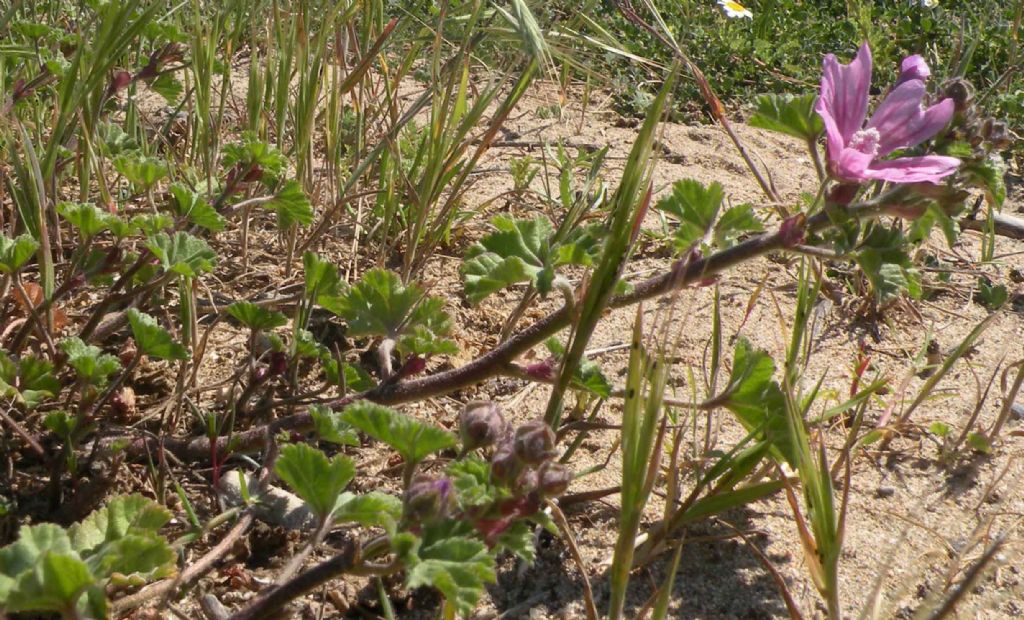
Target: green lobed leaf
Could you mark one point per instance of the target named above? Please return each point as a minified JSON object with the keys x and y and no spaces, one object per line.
{"x":471,"y":477}
{"x":757,"y":400}
{"x":55,"y":584}
{"x":331,"y":428}
{"x":141,"y":170}
{"x":887,"y":267}
{"x":89,"y":219}
{"x":380,"y":305}
{"x":517,"y":252}
{"x":152,"y":339}
{"x":14,"y":253}
{"x":192,"y":205}
{"x":168,"y":87}
{"x":29,"y":380}
{"x":520,"y":540}
{"x":152,"y":223}
{"x":788,"y":114}
{"x":735,"y":222}
{"x":251,"y":151}
{"x":256,"y":317}
{"x":134,"y":559}
{"x":183,"y":253}
{"x":459,"y":567}
{"x":990,"y":176}
{"x":694,"y":207}
{"x":374,"y":509}
{"x":90,"y":363}
{"x":291,"y":205}
{"x":122,"y":516}
{"x":315,"y":478}
{"x":412,"y":439}
{"x":322,"y":278}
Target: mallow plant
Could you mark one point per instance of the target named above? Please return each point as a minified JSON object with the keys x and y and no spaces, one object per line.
{"x":301,"y":404}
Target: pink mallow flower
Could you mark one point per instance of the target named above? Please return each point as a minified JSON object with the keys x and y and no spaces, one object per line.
{"x":855,"y":150}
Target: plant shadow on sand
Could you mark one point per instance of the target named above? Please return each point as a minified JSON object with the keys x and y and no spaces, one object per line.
{"x":718,"y":576}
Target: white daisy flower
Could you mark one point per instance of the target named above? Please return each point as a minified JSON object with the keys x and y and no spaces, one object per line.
{"x":735,"y":9}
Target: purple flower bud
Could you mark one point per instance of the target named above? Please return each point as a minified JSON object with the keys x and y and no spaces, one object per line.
{"x":505,"y":465}
{"x":553,"y":479}
{"x":793,"y":230}
{"x":534,"y":442}
{"x":428,"y":497}
{"x":542,"y":371}
{"x":480,"y":424}
{"x":913,"y":68}
{"x":527,"y":482}
{"x":119,"y":81}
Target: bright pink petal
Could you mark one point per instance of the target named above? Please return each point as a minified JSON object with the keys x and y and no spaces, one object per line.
{"x":902,"y":122}
{"x":851,"y":165}
{"x":930,"y":168}
{"x":844,"y":92}
{"x":913,"y":68}
{"x":834,"y":142}
{"x":931,"y":122}
{"x":898,"y":115}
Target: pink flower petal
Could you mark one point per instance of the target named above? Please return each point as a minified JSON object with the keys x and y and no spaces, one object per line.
{"x":851,"y":165}
{"x":931,"y":122}
{"x":930,"y":168}
{"x":913,"y":68}
{"x":902,"y":122}
{"x":834,"y":141}
{"x":898,"y":115}
{"x":844,"y":92}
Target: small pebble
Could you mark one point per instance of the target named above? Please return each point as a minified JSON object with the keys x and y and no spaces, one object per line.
{"x":1018,"y":410}
{"x":885,"y":491}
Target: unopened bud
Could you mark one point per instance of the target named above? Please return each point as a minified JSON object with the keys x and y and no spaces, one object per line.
{"x":534,"y":442}
{"x":505,"y":465}
{"x":961,"y":92}
{"x":553,"y":479}
{"x":428,"y":497}
{"x":527,"y":482}
{"x":480,"y":424}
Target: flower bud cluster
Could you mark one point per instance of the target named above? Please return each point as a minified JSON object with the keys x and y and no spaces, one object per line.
{"x":984,"y":134}
{"x":522,"y":460}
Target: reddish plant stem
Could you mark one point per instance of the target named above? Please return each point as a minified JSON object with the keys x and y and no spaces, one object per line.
{"x":269,"y":602}
{"x":683,"y":272}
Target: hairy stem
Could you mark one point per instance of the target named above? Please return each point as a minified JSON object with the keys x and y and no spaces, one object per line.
{"x":681,"y":273}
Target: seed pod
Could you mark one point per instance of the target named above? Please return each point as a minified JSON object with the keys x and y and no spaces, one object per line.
{"x":428,"y":497}
{"x":480,"y":424}
{"x":505,"y":465}
{"x":553,"y":479}
{"x":534,"y":442}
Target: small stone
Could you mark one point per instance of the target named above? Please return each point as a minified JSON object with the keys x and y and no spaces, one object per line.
{"x":885,"y":491}
{"x":276,"y":506}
